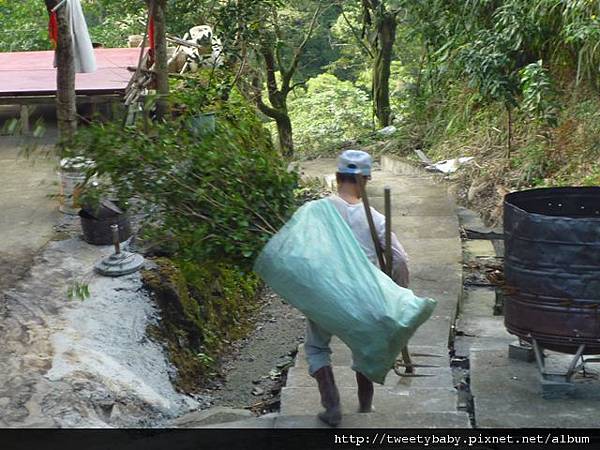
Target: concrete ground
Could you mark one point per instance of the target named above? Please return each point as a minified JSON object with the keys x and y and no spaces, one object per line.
{"x":27,"y":214}
{"x":68,"y":363}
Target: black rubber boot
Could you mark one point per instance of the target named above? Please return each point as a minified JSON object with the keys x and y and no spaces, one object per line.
{"x":330,"y":397}
{"x":365,"y":393}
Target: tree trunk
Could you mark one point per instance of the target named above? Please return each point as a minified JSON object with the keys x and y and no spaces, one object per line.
{"x":508,"y":132}
{"x":278,"y":101}
{"x":160,"y":64}
{"x":284,"y":131}
{"x":386,"y":34}
{"x":66,"y":109}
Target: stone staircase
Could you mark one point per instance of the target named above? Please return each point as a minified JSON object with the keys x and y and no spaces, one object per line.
{"x":425,"y":221}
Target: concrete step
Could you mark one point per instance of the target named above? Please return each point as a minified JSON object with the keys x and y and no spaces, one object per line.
{"x":397,"y":419}
{"x":441,"y":250}
{"x":478,"y":302}
{"x":485,"y":327}
{"x":398,"y":167}
{"x":400,"y":188}
{"x":478,"y":248}
{"x":387,"y":400}
{"x":412,"y":227}
{"x":434,"y":332}
{"x":517,"y":383}
{"x":345,"y":377}
{"x":430,"y":204}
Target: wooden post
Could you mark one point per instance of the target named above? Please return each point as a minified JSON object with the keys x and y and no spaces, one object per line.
{"x":66,"y":109}
{"x":361,"y":181}
{"x":157,"y":8}
{"x":24,"y":119}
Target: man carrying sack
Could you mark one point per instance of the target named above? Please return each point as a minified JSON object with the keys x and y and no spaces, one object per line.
{"x":354,"y":166}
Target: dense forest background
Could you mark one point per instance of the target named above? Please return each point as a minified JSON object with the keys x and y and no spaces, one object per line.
{"x":514,"y":83}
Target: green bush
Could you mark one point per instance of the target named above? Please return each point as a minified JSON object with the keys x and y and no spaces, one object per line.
{"x":216,"y":196}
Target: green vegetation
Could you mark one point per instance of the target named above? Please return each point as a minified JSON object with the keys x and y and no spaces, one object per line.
{"x":514,"y":83}
{"x":215,"y":196}
{"x":203,"y":308}
{"x":328,"y":112}
{"x":25,"y":23}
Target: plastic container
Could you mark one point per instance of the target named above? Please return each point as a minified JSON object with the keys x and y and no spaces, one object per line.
{"x":72,"y":176}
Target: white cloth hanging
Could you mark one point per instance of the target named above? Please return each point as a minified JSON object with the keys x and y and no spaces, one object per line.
{"x":83,"y":52}
{"x":84,"y":59}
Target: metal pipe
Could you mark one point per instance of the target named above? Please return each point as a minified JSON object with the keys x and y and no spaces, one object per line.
{"x":573,"y":366}
{"x":115,"y":235}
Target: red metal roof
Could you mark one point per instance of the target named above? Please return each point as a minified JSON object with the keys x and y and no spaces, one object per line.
{"x":33,"y":73}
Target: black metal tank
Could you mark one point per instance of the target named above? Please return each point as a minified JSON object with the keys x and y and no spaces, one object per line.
{"x":552,"y":267}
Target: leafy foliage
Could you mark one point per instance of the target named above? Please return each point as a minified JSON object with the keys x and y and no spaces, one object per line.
{"x":489,"y":68}
{"x":217,"y":196}
{"x":329,"y":111}
{"x":538,"y":94}
{"x":24,"y":25}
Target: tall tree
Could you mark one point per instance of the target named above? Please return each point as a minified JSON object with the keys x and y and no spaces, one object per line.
{"x":379,"y":31}
{"x":66,"y":109}
{"x":273,"y":61}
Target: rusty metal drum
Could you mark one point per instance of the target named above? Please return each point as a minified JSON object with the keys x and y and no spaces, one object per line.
{"x":552,"y":267}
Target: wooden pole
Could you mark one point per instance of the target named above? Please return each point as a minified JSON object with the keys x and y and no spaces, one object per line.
{"x":387,"y":194}
{"x":160,"y":41}
{"x":66,"y":109}
{"x":388,"y":230}
{"x":360,"y":180}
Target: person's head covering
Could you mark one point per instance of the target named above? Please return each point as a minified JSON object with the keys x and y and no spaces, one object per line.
{"x":354,"y":162}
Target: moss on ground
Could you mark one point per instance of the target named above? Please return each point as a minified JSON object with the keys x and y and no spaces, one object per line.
{"x":203,"y":308}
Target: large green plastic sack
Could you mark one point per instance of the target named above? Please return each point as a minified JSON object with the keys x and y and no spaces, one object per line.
{"x":316,"y":264}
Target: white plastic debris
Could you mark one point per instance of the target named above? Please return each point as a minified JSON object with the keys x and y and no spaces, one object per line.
{"x":448,"y":166}
{"x":387,"y":131}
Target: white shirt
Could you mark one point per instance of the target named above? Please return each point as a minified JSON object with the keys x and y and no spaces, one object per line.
{"x":356,"y":218}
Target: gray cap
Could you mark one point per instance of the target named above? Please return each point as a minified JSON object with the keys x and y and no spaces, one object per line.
{"x":354,"y":161}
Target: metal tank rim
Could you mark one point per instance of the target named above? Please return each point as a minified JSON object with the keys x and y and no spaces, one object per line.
{"x":510,"y":196}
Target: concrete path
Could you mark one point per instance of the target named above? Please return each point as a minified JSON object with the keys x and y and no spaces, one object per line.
{"x":424,"y":220}
{"x":27,"y":214}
